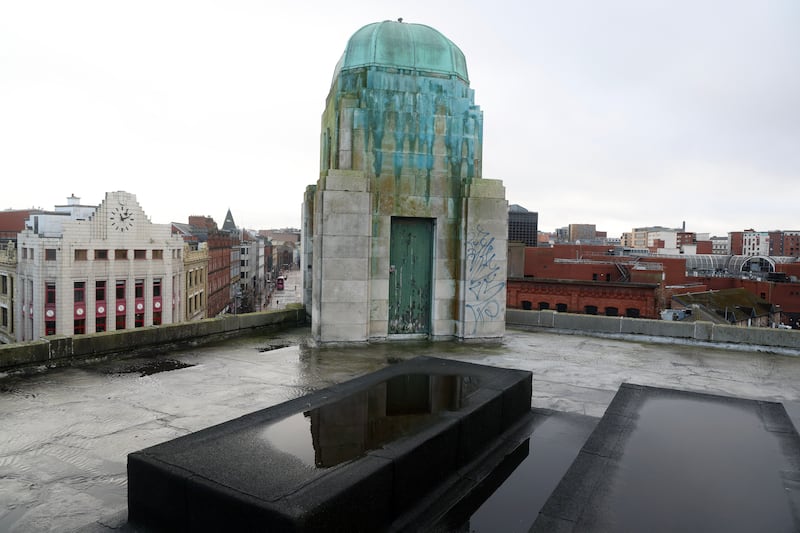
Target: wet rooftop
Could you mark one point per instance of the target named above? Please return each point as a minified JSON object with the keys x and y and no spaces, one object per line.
{"x":67,"y":432}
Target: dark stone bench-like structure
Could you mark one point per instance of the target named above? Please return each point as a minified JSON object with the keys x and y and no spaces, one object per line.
{"x":356,"y":456}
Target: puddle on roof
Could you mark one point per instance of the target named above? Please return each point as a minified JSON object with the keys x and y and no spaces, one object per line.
{"x":366,"y":420}
{"x":149,"y":368}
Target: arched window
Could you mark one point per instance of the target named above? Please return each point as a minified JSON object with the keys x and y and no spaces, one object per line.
{"x":561,"y":308}
{"x":543,"y":306}
{"x":612,"y":311}
{"x":590,"y":309}
{"x":527,"y":305}
{"x":632,"y":312}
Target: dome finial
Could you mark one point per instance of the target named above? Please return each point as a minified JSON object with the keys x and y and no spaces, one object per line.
{"x":399,"y":19}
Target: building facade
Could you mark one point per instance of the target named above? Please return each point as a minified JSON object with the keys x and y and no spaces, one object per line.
{"x":408,"y":238}
{"x":523,"y":226}
{"x":219,"y":272}
{"x":8,"y":283}
{"x":86,"y":269}
{"x":195,"y":267}
{"x":755,"y":242}
{"x":720,"y":246}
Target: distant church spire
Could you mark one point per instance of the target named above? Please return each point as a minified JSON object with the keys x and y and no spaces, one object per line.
{"x":229,"y":224}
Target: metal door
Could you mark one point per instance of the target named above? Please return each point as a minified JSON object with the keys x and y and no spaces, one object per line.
{"x":410,"y":259}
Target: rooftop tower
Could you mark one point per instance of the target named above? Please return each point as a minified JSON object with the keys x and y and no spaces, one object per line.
{"x":403,"y":236}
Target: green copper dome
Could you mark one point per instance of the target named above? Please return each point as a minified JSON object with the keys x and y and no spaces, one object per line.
{"x":404,"y":46}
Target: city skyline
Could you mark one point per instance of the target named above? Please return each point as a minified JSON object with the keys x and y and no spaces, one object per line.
{"x":620,"y":114}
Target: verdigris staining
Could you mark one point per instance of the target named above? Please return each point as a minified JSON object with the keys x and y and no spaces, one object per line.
{"x":400,"y":117}
{"x":402,"y":139}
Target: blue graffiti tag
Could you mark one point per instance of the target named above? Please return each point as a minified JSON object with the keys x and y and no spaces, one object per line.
{"x":484,"y":282}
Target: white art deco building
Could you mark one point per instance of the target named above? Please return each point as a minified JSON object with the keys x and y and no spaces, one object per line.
{"x":86,"y":269}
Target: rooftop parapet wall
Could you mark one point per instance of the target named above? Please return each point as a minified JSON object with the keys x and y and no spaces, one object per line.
{"x":62,"y":351}
{"x":755,"y":338}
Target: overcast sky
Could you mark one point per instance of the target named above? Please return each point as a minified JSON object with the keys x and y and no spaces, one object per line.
{"x":620,"y":113}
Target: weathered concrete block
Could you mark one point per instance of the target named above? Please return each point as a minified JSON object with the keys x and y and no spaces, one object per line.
{"x":444,"y":289}
{"x":26,"y":353}
{"x":487,"y":188}
{"x":422,"y":421}
{"x":345,"y":313}
{"x":379,"y":289}
{"x":344,"y":291}
{"x":346,"y":224}
{"x":345,"y":202}
{"x":346,"y":268}
{"x":346,"y":246}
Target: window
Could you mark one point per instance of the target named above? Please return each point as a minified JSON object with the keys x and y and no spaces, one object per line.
{"x":24,"y":253}
{"x":138,"y":289}
{"x":561,"y":308}
{"x":543,"y":306}
{"x":120,"y":289}
{"x":101,"y":255}
{"x":158,"y":254}
{"x":80,"y":292}
{"x":156,"y":318}
{"x":3,"y":284}
{"x":81,"y":255}
{"x":79,"y":327}
{"x":594,"y":276}
{"x":120,"y":322}
{"x":100,"y":324}
{"x":156,"y":288}
{"x":50,"y":327}
{"x":100,"y":291}
{"x":612,"y":311}
{"x":50,"y":292}
{"x":139,"y":320}
{"x":590,"y":310}
{"x":140,"y":254}
{"x":4,"y":317}
{"x":527,"y":305}
{"x":120,"y":254}
{"x":49,"y":254}
{"x":632,"y":312}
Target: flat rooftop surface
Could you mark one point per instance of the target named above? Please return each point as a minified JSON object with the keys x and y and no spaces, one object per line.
{"x":669,"y":460}
{"x":66,"y":432}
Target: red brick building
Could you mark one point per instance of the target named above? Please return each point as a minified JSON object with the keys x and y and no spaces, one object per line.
{"x":637,"y":300}
{"x":219,"y":271}
{"x":587,"y":279}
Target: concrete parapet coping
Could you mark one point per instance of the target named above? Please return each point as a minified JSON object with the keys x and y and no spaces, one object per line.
{"x":760,"y":339}
{"x":60,"y":350}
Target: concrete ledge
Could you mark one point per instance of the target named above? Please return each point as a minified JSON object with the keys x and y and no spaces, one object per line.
{"x":757,"y":338}
{"x":62,"y":350}
{"x":697,"y":444}
{"x":352,"y":457}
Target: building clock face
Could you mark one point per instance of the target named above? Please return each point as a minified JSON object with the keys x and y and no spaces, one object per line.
{"x":121,"y":218}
